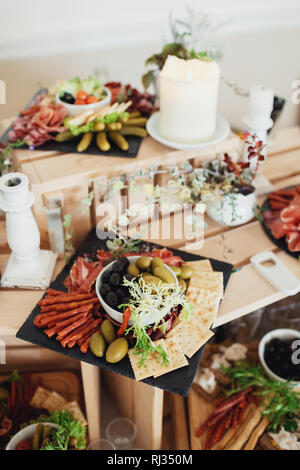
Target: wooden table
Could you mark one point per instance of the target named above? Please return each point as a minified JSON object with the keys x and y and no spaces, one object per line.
{"x":246,"y":291}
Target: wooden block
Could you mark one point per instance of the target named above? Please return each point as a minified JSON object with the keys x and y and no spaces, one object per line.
{"x":92,"y":391}
{"x":236,"y":246}
{"x":180,"y":427}
{"x":198,"y":412}
{"x":247,"y":291}
{"x":285,"y":140}
{"x":142,"y":404}
{"x":279,"y":166}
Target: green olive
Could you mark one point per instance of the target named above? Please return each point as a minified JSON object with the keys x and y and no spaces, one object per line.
{"x":117,"y":350}
{"x":46,"y":432}
{"x":164,"y":274}
{"x":45,"y":442}
{"x":176,"y":270}
{"x":187,"y":272}
{"x":143,"y":262}
{"x":153,"y":280}
{"x":108,"y":331}
{"x":156,"y":263}
{"x":133,"y":270}
{"x":36,"y":440}
{"x":182,"y":284}
{"x":4,"y":394}
{"x":97,"y":344}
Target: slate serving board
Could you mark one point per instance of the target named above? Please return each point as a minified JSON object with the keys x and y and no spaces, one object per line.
{"x":281,"y":243}
{"x":178,"y":381}
{"x":71,"y":146}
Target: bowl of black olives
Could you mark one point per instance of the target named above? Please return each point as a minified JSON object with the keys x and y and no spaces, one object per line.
{"x":109,"y":284}
{"x":279,"y":354}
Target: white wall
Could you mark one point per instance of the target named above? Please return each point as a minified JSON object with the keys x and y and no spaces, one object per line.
{"x":42,"y":40}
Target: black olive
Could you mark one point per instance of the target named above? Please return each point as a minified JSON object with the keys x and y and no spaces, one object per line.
{"x":112,"y":300}
{"x":121,"y":293}
{"x":105,"y":289}
{"x":121,"y":265}
{"x":67,"y":98}
{"x":105,"y":276}
{"x":115,"y":279}
{"x":128,"y":277}
{"x":126,"y":300}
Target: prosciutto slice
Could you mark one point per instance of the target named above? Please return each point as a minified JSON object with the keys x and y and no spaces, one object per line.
{"x":37,"y":124}
{"x":286,"y":222}
{"x":82,"y":276}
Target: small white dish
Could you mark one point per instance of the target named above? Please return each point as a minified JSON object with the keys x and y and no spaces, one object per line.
{"x":221,"y":133}
{"x":77,"y":109}
{"x":281,"y":333}
{"x":26,"y":434}
{"x":115,"y":314}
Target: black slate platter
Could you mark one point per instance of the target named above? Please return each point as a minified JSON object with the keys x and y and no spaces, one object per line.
{"x":178,"y":381}
{"x":281,"y":243}
{"x":71,"y":146}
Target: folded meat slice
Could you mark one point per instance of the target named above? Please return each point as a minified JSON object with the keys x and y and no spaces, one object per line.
{"x":278,"y":229}
{"x":82,"y":276}
{"x":293,"y":241}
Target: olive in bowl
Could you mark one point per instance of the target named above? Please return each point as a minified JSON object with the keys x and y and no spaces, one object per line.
{"x":130,"y":267}
{"x":278,"y":355}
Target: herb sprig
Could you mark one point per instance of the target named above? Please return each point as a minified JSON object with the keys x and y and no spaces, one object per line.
{"x":281,"y":402}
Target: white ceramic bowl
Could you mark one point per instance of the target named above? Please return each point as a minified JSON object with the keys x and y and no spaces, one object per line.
{"x":76,"y":109}
{"x":281,"y":333}
{"x":26,"y":434}
{"x":115,"y":314}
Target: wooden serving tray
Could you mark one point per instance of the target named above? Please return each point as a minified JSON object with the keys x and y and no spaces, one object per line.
{"x":199,"y":409}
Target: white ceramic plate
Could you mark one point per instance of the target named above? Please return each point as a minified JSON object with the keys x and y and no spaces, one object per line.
{"x":221,"y":133}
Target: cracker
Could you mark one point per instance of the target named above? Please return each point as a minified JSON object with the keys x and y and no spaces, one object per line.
{"x":152,"y":365}
{"x":54,"y":402}
{"x":74,"y":409}
{"x":192,"y":348}
{"x":204,"y":299}
{"x":39,"y":397}
{"x":189,"y":336}
{"x":200,"y":266}
{"x":207,"y":281}
{"x":175,"y":355}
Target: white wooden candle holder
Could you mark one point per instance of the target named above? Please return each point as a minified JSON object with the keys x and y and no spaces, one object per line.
{"x":28,"y":267}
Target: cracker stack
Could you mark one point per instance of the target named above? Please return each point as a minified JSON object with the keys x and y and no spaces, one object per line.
{"x":189,"y":334}
{"x":53,"y":401}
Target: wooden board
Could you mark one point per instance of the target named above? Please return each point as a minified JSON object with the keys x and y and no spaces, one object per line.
{"x":65,"y":383}
{"x":198,"y":410}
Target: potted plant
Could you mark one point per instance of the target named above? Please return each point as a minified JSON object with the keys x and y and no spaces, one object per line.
{"x":187,"y":36}
{"x":227,"y":186}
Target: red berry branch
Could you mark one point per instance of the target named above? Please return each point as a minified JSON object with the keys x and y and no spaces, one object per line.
{"x":255,"y":148}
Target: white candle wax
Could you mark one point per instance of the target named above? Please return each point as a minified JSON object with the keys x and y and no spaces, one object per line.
{"x":260,"y":104}
{"x":188,"y":99}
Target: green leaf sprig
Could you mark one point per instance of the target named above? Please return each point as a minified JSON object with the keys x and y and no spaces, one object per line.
{"x":281,"y":402}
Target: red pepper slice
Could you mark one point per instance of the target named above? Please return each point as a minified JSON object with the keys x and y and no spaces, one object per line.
{"x":126,"y":318}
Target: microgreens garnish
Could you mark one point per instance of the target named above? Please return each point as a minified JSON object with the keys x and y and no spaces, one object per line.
{"x":148,"y":302}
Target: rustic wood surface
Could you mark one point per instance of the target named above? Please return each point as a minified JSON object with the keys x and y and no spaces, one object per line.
{"x":246,"y":290}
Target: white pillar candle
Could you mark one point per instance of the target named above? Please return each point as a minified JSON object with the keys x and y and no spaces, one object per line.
{"x":261,"y":101}
{"x":188,"y":99}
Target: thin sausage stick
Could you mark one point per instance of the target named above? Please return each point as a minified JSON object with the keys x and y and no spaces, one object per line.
{"x":58,"y":299}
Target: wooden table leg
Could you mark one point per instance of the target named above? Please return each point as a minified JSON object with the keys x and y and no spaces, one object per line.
{"x":91,"y":387}
{"x":141,"y":403}
{"x":181,"y":436}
